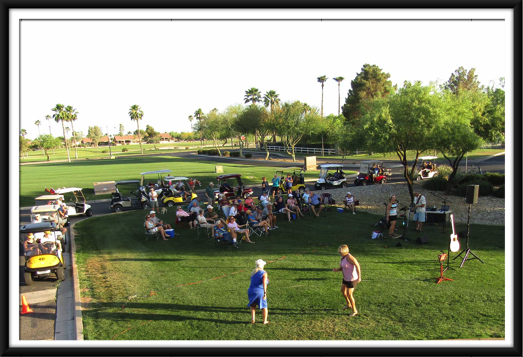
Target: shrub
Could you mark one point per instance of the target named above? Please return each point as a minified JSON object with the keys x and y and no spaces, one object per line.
{"x":205,"y":152}
{"x":248,"y":155}
{"x":227,"y":153}
{"x":105,"y":151}
{"x":235,"y":154}
{"x":200,"y":151}
{"x":213,"y":152}
{"x":187,"y":148}
{"x":125,"y":149}
{"x":437,"y":183}
{"x":467,"y":178}
{"x":444,"y":171}
{"x":495,"y":178}
{"x":485,"y":188}
{"x":499,"y":192}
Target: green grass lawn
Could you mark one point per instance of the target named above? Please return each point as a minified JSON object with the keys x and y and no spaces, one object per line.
{"x":188,"y":289}
{"x":34,"y":178}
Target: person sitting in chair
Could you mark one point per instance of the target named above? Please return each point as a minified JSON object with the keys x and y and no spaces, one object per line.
{"x":30,"y":246}
{"x":249,"y":203}
{"x":152,"y":228}
{"x":158,"y":222}
{"x":220,"y":232}
{"x":253,"y":222}
{"x":234,"y":228}
{"x":280,"y":207}
{"x":186,"y":217}
{"x":292,"y":204}
{"x":316,"y":204}
{"x":349,"y":202}
{"x":226,"y":186}
{"x":204,"y":222}
{"x":210,"y":214}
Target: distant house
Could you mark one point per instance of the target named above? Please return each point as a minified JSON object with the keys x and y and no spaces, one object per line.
{"x":125,"y":139}
{"x":87,"y":142}
{"x":165,"y":137}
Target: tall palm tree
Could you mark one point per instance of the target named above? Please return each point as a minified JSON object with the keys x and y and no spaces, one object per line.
{"x":191,"y":118}
{"x":23,"y":132}
{"x":38,"y":123}
{"x":59,"y":116}
{"x":339,"y":80}
{"x":252,"y":95}
{"x":48,"y":118}
{"x":72,"y":115}
{"x":271,"y":98}
{"x":67,"y":130}
{"x":198,"y":114}
{"x":136,"y":113}
{"x":306,"y":108}
{"x":322,"y":80}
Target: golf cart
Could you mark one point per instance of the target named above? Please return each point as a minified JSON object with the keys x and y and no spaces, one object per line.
{"x":46,"y":213}
{"x":424,"y":174}
{"x":48,"y":200}
{"x":43,"y":255}
{"x":372,"y":172}
{"x":80,"y":207}
{"x":240,"y":190}
{"x":160,"y":180}
{"x":120,"y":202}
{"x":171,"y":196}
{"x":331,"y":180}
{"x":298,"y":179}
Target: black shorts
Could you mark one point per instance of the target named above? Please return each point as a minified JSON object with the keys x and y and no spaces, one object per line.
{"x":276,"y":189}
{"x":392,"y":218}
{"x":317,"y":206}
{"x":350,"y":284}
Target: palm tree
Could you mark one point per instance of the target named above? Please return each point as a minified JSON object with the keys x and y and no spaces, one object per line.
{"x":191,"y":118}
{"x":48,"y":118}
{"x":72,"y":115}
{"x":199,"y":115}
{"x":23,"y":132}
{"x":60,"y":115}
{"x":322,"y":80}
{"x":339,"y":80}
{"x":271,"y":98}
{"x":252,"y":95}
{"x":136,"y":113}
{"x":67,"y":130}
{"x":38,"y":123}
{"x":306,"y":108}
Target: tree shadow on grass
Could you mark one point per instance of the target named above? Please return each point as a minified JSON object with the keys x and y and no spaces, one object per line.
{"x":144,"y":260}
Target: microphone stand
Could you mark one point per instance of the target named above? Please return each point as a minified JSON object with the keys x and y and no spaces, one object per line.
{"x":444,"y":209}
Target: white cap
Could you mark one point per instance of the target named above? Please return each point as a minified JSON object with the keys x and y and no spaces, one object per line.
{"x":152,"y":212}
{"x":348,"y":193}
{"x":260,"y":263}
{"x":210,"y":183}
{"x":209,"y":206}
{"x":290,"y":194}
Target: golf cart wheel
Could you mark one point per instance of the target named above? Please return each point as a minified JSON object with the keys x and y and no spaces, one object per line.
{"x":118,"y":208}
{"x":170,"y":203}
{"x":89,"y":212}
{"x":383,"y":181}
{"x":28,"y":278}
{"x":145,"y":205}
{"x":301,"y":190}
{"x":60,"y":273}
{"x":323,"y":187}
{"x":364,"y":183}
{"x":418,"y":178}
{"x":344,"y":184}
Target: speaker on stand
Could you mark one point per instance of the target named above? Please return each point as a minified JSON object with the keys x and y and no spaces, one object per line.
{"x":471,"y":199}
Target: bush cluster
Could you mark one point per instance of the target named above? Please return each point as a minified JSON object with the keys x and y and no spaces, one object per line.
{"x":227,"y":153}
{"x":444,"y":171}
{"x":125,"y":150}
{"x":213,"y":152}
{"x":495,"y":178}
{"x":248,"y":155}
{"x":235,"y":154}
{"x":105,"y":151}
{"x":485,"y":188}
{"x":467,"y":178}
{"x":187,"y":148}
{"x":499,"y":192}
{"x":200,"y":151}
{"x":437,"y":183}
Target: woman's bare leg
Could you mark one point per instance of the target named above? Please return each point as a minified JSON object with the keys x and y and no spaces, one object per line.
{"x":253,"y":313}
{"x":265,"y":313}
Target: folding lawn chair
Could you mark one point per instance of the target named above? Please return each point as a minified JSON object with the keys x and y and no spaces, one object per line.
{"x":256,"y":229}
{"x":328,"y":201}
{"x":151,"y":234}
{"x":200,"y":229}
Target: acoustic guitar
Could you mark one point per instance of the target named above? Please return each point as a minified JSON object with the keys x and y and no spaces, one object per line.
{"x":454,"y":242}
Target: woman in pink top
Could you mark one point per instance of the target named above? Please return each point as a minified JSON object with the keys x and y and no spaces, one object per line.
{"x":351,"y":277}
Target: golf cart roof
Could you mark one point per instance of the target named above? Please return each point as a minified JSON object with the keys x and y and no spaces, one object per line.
{"x":372,"y":162}
{"x":223,"y":177}
{"x":125,"y":182}
{"x":38,"y":227}
{"x":156,"y":172}
{"x":49,"y":197}
{"x":290,"y":168}
{"x":44,"y":209}
{"x":331,"y":166}
{"x":63,"y":190}
{"x":427,"y":157}
{"x":177,"y":178}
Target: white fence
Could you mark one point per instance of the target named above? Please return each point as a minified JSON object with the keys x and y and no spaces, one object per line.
{"x":304,"y":150}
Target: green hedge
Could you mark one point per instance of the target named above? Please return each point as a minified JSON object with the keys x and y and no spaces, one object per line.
{"x":437,"y":183}
{"x":235,"y":154}
{"x":495,"y":178}
{"x":248,"y":155}
{"x":125,"y":150}
{"x":485,"y":188}
{"x":499,"y":192}
{"x":467,"y":178}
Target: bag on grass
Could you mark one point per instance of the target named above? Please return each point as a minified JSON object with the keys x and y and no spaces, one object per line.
{"x":376,"y":235}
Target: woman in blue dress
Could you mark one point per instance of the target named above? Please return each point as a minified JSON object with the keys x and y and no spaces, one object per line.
{"x":258,"y":291}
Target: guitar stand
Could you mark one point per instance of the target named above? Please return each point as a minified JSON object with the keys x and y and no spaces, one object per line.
{"x":441,"y":277}
{"x":467,"y":250}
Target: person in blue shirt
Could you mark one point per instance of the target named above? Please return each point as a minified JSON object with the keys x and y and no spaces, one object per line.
{"x":275,"y":185}
{"x":257,"y":292}
{"x":316,"y":203}
{"x":251,"y":219}
{"x":220,"y":232}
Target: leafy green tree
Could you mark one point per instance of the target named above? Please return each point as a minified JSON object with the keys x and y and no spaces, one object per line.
{"x":230,"y":116}
{"x":47,"y":142}
{"x":293,"y":124}
{"x":322,"y":80}
{"x":23,"y":132}
{"x":60,"y":115}
{"x":72,"y":116}
{"x":339,"y":80}
{"x":121,"y":130}
{"x":24,"y":145}
{"x":151,"y":135}
{"x":454,"y":135}
{"x":214,"y":126}
{"x":252,"y":95}
{"x":95,"y":134}
{"x":142,"y":133}
{"x":198,"y":114}
{"x":491,"y":124}
{"x":136,"y":113}
{"x":401,"y":123}
{"x":463,"y":80}
{"x":371,"y":83}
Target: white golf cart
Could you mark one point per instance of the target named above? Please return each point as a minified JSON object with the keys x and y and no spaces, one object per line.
{"x":48,"y":200}
{"x":425,"y":173}
{"x":80,"y":206}
{"x":160,"y":178}
{"x":334,"y":179}
{"x":45,"y":213}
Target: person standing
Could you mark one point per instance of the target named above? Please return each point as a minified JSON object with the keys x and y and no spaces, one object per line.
{"x":257,"y":292}
{"x":392,"y":214}
{"x":275,"y":185}
{"x":153,"y":199}
{"x":209,"y":192}
{"x":288,"y":184}
{"x":265,"y":185}
{"x":420,"y":202}
{"x":351,"y":277}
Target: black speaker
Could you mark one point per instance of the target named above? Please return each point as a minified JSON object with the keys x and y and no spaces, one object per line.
{"x":472,"y":194}
{"x":422,"y":240}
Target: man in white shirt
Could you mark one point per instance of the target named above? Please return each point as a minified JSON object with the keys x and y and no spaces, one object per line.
{"x":420,"y":203}
{"x":264,"y":199}
{"x":153,"y":198}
